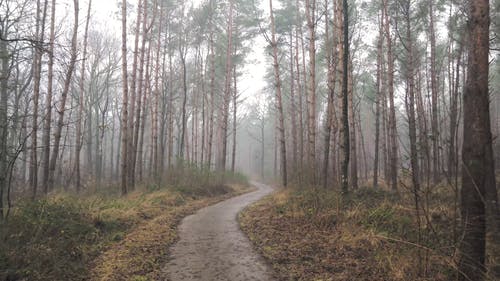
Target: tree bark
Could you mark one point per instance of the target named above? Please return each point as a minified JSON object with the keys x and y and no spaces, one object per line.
{"x":235,"y":120}
{"x":156,"y":98}
{"x":124,"y":125}
{"x":332,"y":65}
{"x":134,"y":128}
{"x":352,"y":135}
{"x":78,"y":137}
{"x":4,"y":95}
{"x":293,"y":106}
{"x":48,"y":102}
{"x":279,"y":105}
{"x":311,"y":89}
{"x":212,"y":91}
{"x":477,"y":152}
{"x":64,"y":95}
{"x":393,"y":142}
{"x":37,"y":68}
{"x":434,"y":96}
{"x":345,"y":148}
{"x":227,"y":91}
{"x":378,"y":101}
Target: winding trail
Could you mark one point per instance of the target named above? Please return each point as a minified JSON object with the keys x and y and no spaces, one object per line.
{"x":213,"y":248}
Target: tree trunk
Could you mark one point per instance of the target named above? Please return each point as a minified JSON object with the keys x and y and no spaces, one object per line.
{"x":352,"y":135}
{"x":124,"y":127}
{"x":64,"y":95}
{"x":378,"y":101}
{"x":279,"y":105}
{"x":293,"y":106}
{"x":141,"y":122}
{"x":235,"y":120}
{"x":412,"y":127}
{"x":78,"y":137}
{"x":345,"y":147}
{"x":301,"y":111}
{"x":212,"y":92}
{"x":311,"y":89}
{"x":332,"y":65}
{"x":227,"y":92}
{"x":4,"y":95}
{"x":182,"y":55}
{"x":48,"y":102}
{"x":135,"y":88}
{"x":37,"y":68}
{"x":434,"y":97}
{"x":477,"y":152}
{"x":393,"y":142}
{"x":156,"y":99}
{"x":452,"y":153}
{"x":136,"y":101}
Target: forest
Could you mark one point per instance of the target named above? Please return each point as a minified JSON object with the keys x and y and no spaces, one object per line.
{"x":249,"y":140}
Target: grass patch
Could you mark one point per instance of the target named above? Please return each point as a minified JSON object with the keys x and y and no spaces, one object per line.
{"x":101,"y":236}
{"x":316,"y":234}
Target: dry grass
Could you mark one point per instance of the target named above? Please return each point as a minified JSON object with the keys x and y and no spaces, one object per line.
{"x":142,"y":252}
{"x":313,"y":234}
{"x":102,"y":236}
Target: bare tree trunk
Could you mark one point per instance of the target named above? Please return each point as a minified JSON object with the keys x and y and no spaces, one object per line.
{"x":262,"y":147}
{"x":48,"y":102}
{"x":135,"y":90}
{"x":293,"y":106}
{"x":412,"y":127}
{"x":452,"y":153}
{"x":37,"y":67}
{"x":434,"y":90}
{"x":477,"y":153}
{"x":124,"y":133}
{"x":362,"y":145}
{"x":311,"y":95}
{"x":4,"y":95}
{"x":378,"y":101}
{"x":235,"y":120}
{"x":393,"y":143}
{"x":279,"y":105}
{"x":212,"y":91}
{"x":203,"y":112}
{"x":134,"y":129}
{"x":345,"y":147}
{"x":156,"y":98}
{"x":227,"y":92}
{"x":64,"y":95}
{"x":182,"y":55}
{"x":78,"y":136}
{"x":143,"y":116}
{"x":301,"y":111}
{"x":423,"y":140}
{"x":332,"y":65}
{"x":171,"y":109}
{"x":352,"y":126}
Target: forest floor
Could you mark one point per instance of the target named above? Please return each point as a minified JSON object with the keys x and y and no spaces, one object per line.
{"x":103,"y":236}
{"x":316,"y":234}
{"x":213,"y":248}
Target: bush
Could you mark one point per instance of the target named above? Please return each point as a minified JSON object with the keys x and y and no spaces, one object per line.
{"x":47,"y":239}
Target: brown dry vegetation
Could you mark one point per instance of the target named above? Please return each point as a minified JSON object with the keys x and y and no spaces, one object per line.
{"x":314,"y":234}
{"x":104,"y":236}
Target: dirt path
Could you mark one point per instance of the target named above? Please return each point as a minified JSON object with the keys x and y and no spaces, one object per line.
{"x":212,"y":246}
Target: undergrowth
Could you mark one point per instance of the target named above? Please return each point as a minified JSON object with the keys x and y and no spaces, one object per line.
{"x":60,"y":236}
{"x":370,"y":234}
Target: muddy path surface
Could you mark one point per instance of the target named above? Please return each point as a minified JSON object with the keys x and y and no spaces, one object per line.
{"x":212,"y":246}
